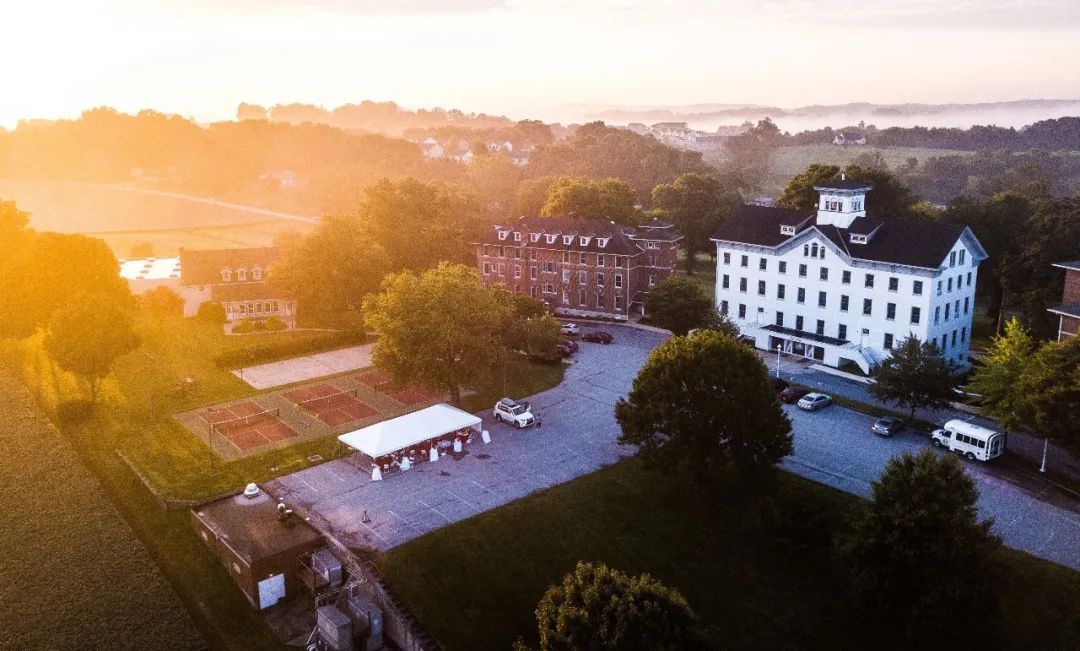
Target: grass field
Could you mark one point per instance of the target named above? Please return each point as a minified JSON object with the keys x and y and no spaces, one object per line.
{"x":125,"y":218}
{"x":475,"y":584}
{"x":74,"y":574}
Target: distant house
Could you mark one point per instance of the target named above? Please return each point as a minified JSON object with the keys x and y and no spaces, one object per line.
{"x":238,"y":279}
{"x":431,"y":148}
{"x":638,"y":128}
{"x":284,"y":179}
{"x":1069,"y":311}
{"x":849,"y":139}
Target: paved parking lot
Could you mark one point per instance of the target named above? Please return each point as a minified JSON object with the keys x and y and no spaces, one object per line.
{"x":834,"y":446}
{"x":579,"y":435}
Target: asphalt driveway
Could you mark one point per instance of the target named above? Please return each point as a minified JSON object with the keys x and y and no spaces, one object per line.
{"x":578,"y":436}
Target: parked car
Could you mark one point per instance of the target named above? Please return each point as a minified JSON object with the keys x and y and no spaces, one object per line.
{"x":814,"y":401}
{"x":570,"y":329}
{"x":511,"y":411}
{"x":793,"y":394}
{"x":598,"y":337}
{"x":778,"y":384}
{"x":566,"y":347}
{"x":887,"y":426}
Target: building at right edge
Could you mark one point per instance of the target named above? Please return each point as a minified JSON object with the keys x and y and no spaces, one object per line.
{"x":1068,"y":312}
{"x":842,"y":287}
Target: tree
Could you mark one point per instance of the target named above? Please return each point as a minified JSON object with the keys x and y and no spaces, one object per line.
{"x":889,"y":198}
{"x":1049,"y":390}
{"x":679,"y":305}
{"x":494,"y":179}
{"x":15,"y":232}
{"x":997,"y":380}
{"x":48,"y":272}
{"x":441,"y":328}
{"x":162,"y":303}
{"x":915,"y":376}
{"x":609,"y":200}
{"x":596,"y":608}
{"x":330,"y":270}
{"x":749,"y":153}
{"x":918,"y":559}
{"x":697,"y":204}
{"x":88,"y":334}
{"x":704,"y":404}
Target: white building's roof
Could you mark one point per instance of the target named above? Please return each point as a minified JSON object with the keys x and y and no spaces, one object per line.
{"x":150,"y":268}
{"x":412,"y":429}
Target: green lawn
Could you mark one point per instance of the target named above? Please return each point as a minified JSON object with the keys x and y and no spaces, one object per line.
{"x":475,"y":584}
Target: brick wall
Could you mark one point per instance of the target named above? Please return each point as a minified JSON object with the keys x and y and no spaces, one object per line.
{"x":1072,"y":287}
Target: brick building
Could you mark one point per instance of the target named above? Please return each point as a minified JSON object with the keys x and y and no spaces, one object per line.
{"x":1069,"y":310}
{"x":579,"y":267}
{"x":238,"y":279}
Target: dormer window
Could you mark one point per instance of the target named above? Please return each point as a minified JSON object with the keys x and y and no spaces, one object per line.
{"x":584,"y":241}
{"x":502,"y":235}
{"x":256,"y":273}
{"x":551,"y":239}
{"x":787,"y":230}
{"x":226,"y":275}
{"x":534,"y":237}
{"x":241,"y":274}
{"x":857,"y":238}
{"x":517,"y":237}
{"x":568,"y":239}
{"x":601,"y":242}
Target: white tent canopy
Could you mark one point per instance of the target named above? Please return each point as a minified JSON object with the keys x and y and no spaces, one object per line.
{"x":406,"y":431}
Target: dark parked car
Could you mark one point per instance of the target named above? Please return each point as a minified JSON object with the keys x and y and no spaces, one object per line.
{"x":792,"y":394}
{"x":887,"y":426}
{"x":778,"y":384}
{"x":598,"y":337}
{"x":571,"y":344}
{"x":566,"y":347}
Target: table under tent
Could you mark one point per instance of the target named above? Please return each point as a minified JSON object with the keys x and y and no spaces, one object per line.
{"x":423,"y":436}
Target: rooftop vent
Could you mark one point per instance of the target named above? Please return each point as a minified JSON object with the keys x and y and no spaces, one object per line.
{"x":251,"y":491}
{"x":857,"y":238}
{"x":786,"y":229}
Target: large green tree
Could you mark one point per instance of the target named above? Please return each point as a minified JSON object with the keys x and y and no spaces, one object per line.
{"x":918,"y":560}
{"x":915,"y":376}
{"x":679,"y":305}
{"x":1049,"y":390}
{"x":14,"y":230}
{"x":609,"y":200}
{"x":889,"y":198}
{"x":997,"y":379}
{"x":330,"y":270}
{"x":749,"y":154}
{"x":704,"y":404}
{"x":596,"y":608}
{"x":440,"y":328}
{"x":48,"y":271}
{"x":87,"y":335}
{"x":697,"y":204}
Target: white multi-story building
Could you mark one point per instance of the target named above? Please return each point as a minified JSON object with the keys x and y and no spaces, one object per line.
{"x":840,"y":287}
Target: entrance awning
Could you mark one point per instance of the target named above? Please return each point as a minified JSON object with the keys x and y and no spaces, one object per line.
{"x":805,"y":337}
{"x":409,"y":430}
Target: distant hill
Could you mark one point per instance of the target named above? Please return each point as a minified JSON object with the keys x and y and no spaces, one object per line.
{"x":1014,"y":113}
{"x":386,"y":118}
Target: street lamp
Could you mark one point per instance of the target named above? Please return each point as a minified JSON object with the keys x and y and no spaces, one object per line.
{"x":1046,"y":444}
{"x":778,"y":361}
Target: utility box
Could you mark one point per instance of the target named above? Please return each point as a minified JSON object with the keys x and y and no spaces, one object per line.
{"x":326,"y":565}
{"x":367,"y":616}
{"x":335,"y":628}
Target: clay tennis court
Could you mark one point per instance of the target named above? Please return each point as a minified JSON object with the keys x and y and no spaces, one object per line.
{"x":408,"y":396}
{"x":329,"y":404}
{"x":247,"y":425}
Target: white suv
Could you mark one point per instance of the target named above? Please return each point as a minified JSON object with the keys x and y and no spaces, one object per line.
{"x":514,"y":412}
{"x":570,"y":329}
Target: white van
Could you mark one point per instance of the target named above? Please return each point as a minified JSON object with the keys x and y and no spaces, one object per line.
{"x":971,"y":441}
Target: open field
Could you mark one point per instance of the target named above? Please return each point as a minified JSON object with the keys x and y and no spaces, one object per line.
{"x":755,"y":583}
{"x":126,"y":217}
{"x":74,"y":574}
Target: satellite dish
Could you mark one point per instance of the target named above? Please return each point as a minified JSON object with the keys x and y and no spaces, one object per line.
{"x":251,"y":491}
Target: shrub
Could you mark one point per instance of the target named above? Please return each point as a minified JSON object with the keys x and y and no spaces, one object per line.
{"x":243,"y":327}
{"x":212,"y":312}
{"x":259,"y":326}
{"x":275,"y":324}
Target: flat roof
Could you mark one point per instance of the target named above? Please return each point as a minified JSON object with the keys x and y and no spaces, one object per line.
{"x":411,"y":429}
{"x":150,"y":268}
{"x":250,"y":525}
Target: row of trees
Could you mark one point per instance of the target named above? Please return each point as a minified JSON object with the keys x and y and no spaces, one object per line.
{"x":67,"y":286}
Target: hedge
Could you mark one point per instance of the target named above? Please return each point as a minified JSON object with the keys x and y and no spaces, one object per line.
{"x":263,"y":352}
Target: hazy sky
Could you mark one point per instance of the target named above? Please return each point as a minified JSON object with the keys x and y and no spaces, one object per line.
{"x":526,"y":58}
